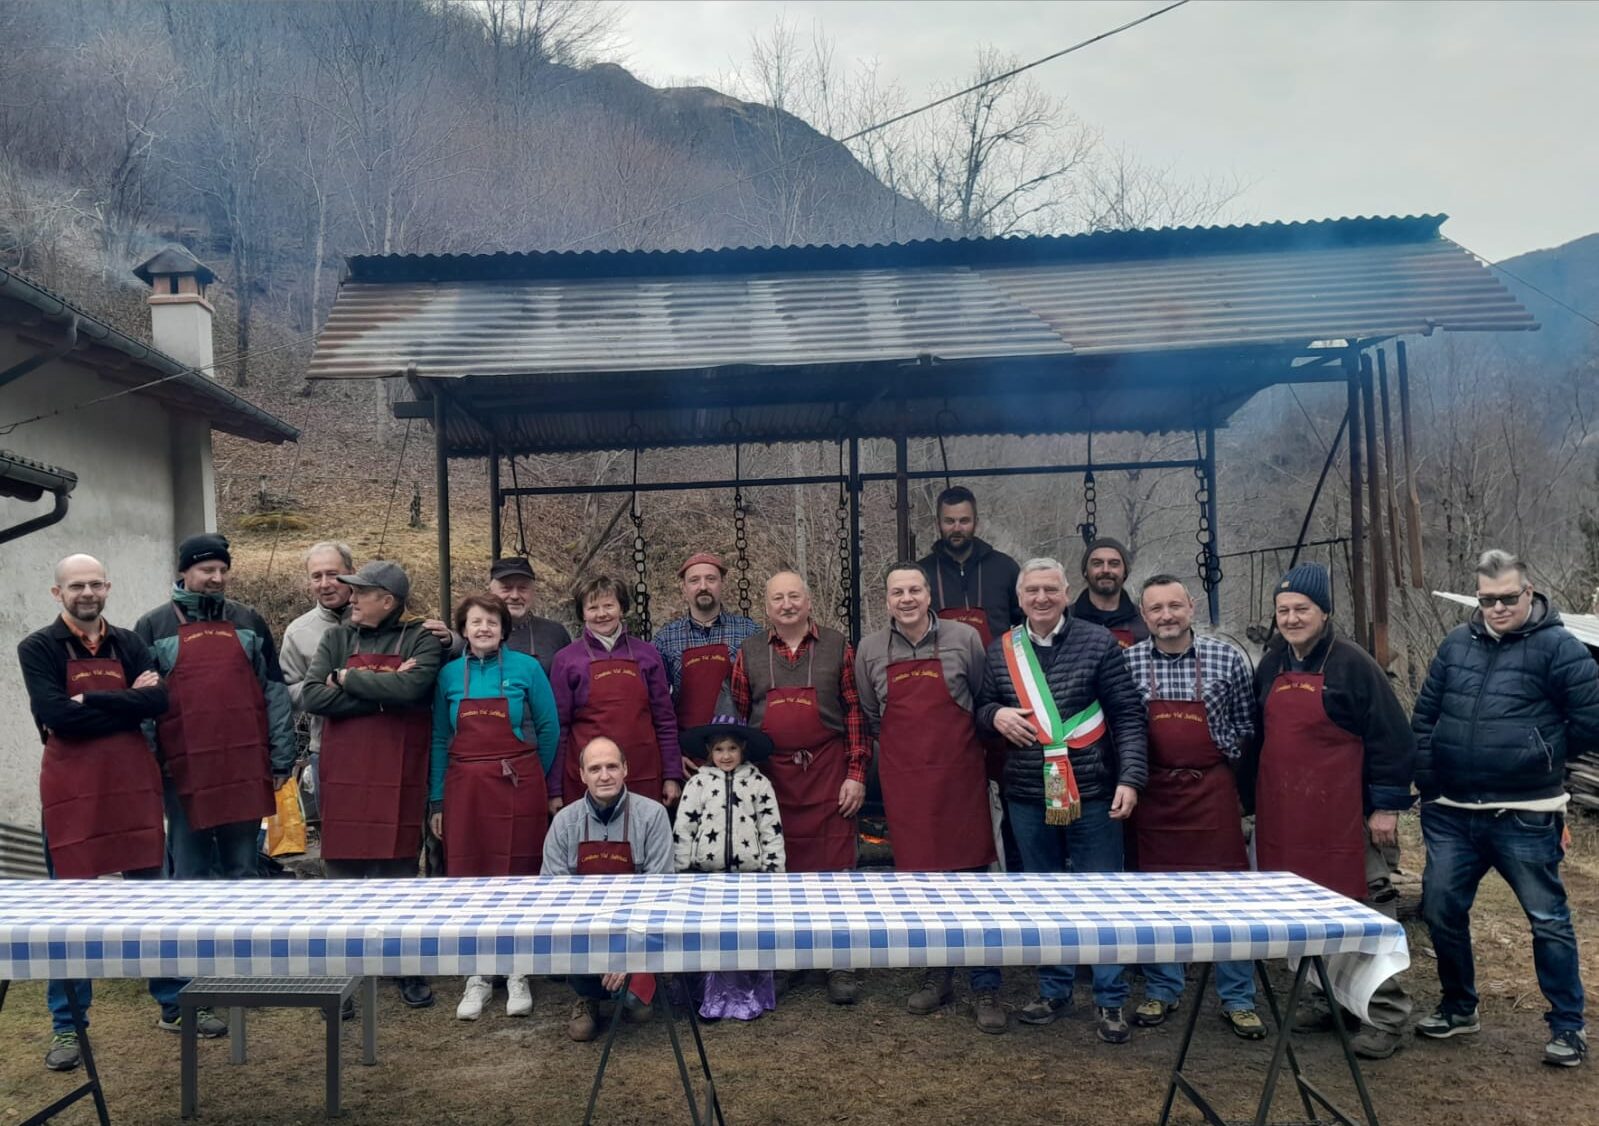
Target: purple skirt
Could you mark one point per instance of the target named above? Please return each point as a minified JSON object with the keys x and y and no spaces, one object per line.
{"x":739,"y":994}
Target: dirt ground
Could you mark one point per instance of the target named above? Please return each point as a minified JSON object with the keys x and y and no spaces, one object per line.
{"x":812,"y":1062}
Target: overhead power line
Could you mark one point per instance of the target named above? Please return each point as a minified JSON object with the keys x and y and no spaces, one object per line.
{"x":870,"y":129}
{"x":1544,"y":293}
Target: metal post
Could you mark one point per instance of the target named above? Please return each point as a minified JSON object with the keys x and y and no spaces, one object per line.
{"x":902,"y":488}
{"x":441,"y":478}
{"x":496,"y":501}
{"x":1357,"y":515}
{"x":1374,"y":489}
{"x":1213,"y":589}
{"x":855,"y":540}
{"x":1412,"y":499}
{"x":1391,"y":493}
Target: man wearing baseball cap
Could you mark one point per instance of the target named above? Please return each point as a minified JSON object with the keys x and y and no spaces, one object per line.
{"x":1333,"y":773}
{"x":226,"y":740}
{"x":511,"y":581}
{"x":372,"y":682}
{"x":700,"y":647}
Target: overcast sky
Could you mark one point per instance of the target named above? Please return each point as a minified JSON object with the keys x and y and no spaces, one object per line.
{"x":1484,"y":111}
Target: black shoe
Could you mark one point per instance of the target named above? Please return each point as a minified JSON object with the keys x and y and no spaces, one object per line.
{"x":63,"y":1052}
{"x":346,"y":1010}
{"x":1043,"y":1010}
{"x":416,"y":992}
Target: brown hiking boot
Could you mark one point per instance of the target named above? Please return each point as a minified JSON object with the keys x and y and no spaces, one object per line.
{"x":843,"y":987}
{"x":936,"y":991}
{"x":584,"y":1025}
{"x":991,"y":1015}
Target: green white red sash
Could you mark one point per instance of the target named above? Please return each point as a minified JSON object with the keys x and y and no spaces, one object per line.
{"x":1063,"y":804}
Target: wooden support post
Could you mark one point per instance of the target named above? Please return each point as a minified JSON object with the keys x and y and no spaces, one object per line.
{"x":441,"y":479}
{"x":902,"y":487}
{"x":1374,"y":489}
{"x":496,"y":500}
{"x":1390,"y":478}
{"x":1357,"y":515}
{"x":1412,"y":498}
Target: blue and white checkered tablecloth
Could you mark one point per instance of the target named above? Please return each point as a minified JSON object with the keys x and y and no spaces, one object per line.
{"x":682,"y":923}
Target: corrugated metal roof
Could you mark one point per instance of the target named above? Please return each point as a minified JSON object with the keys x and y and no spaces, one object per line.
{"x":187,"y":390}
{"x":1145,"y":330}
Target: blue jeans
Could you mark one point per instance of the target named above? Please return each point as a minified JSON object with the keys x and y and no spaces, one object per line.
{"x":163,"y":989}
{"x":1235,"y":984}
{"x":222,"y":852}
{"x":1092,"y":843}
{"x":1524,"y":848}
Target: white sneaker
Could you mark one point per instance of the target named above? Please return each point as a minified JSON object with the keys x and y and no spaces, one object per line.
{"x":478,"y":991}
{"x":519,"y":998}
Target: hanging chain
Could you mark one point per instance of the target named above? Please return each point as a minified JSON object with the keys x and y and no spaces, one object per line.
{"x":845,"y":568}
{"x":641,"y":586}
{"x":1089,"y":528}
{"x":741,"y":539}
{"x":1205,"y":559}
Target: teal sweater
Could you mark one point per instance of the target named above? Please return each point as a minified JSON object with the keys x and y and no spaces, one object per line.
{"x":517,"y":677}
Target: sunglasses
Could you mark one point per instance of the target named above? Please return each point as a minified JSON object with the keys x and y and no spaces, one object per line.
{"x":1488,"y":601}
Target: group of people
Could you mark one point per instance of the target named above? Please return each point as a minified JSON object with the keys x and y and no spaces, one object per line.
{"x":1006,"y":723}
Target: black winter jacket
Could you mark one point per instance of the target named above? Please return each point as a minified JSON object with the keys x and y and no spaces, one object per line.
{"x":1125,"y":616}
{"x":987,"y":578}
{"x":1495,"y":717}
{"x":1087,"y":665}
{"x":43,"y":656}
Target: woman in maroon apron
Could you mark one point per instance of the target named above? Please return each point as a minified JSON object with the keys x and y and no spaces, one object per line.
{"x":1309,"y":801}
{"x":808,"y":768}
{"x":100,"y":796}
{"x":935,"y":792}
{"x":607,"y":683}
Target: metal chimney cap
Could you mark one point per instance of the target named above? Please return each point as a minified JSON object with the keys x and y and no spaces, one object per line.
{"x":173,"y":261}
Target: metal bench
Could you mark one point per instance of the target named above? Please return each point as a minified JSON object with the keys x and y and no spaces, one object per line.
{"x":237,"y":994}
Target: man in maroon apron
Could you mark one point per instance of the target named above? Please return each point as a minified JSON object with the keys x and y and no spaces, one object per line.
{"x":1201,"y":706}
{"x":699,"y":647}
{"x":372,"y":682}
{"x":796,"y":682}
{"x":607,"y":831}
{"x":1335,"y":766}
{"x":90,"y":686}
{"x":917,"y":680}
{"x":227,"y":739}
{"x":1106,"y":566}
{"x":609,"y":684}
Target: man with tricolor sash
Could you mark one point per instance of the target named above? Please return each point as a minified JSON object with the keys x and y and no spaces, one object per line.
{"x":1059,"y":691}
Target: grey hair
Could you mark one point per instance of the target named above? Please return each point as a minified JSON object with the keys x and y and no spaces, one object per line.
{"x":345,"y":555}
{"x":1495,"y":564}
{"x":805,"y":586}
{"x":1042,"y":563}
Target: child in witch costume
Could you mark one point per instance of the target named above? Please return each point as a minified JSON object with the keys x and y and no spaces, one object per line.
{"x":728,"y":822}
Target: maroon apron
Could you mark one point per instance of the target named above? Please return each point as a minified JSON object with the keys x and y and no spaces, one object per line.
{"x":495,"y":808}
{"x":930,"y":765}
{"x":1124,"y":636}
{"x":374,"y":777}
{"x":213,"y":737}
{"x":705,"y":670}
{"x":1309,"y":808}
{"x":613,"y":858}
{"x":1188,"y":817}
{"x":100,"y":797}
{"x":807,"y":769}
{"x":994,"y":745}
{"x":618,"y":708}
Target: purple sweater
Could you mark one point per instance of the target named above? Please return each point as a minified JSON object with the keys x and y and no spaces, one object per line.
{"x":569,"y":677}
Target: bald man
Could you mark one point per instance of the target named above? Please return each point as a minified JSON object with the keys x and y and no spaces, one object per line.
{"x":90,"y":687}
{"x":796,"y":682}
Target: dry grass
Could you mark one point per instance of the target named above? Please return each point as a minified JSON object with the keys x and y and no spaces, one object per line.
{"x":811,"y":1062}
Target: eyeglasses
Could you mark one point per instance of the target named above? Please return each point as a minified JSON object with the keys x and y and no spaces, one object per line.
{"x":1488,"y":601}
{"x":92,"y":588}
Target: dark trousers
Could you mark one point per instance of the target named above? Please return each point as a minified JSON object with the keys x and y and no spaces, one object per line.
{"x":1524,"y":848}
{"x":222,"y":852}
{"x":401,"y":869}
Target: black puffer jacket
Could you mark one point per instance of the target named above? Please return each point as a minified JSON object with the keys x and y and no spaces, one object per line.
{"x":1087,"y":665}
{"x":1495,"y":717}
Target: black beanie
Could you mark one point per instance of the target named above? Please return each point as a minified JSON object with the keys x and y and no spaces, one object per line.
{"x":1115,"y":545}
{"x":203,"y":547}
{"x":1311,"y":580}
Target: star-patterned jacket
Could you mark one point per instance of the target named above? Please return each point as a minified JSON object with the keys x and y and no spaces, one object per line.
{"x":728,"y":823}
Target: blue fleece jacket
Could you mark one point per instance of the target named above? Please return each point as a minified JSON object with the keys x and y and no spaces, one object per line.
{"x":517,"y":677}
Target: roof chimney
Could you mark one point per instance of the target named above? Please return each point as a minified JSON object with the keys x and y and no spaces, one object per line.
{"x":180,"y":316}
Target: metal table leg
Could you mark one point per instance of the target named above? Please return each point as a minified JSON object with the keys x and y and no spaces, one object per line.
{"x":369,"y":1021}
{"x":664,"y":1007}
{"x":605,"y":1055}
{"x":1178,"y":1080}
{"x":1284,"y":1023}
{"x":189,"y":1065}
{"x":92,"y":1087}
{"x":236,"y":1033}
{"x":713,"y":1105}
{"x":335,"y":1028}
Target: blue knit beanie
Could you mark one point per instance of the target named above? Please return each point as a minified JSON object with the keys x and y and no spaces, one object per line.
{"x":1311,"y":580}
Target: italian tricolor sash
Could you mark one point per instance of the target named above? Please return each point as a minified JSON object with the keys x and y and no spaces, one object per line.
{"x":1062,"y":802}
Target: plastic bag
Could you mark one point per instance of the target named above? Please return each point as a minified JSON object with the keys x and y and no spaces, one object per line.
{"x":286,"y":828}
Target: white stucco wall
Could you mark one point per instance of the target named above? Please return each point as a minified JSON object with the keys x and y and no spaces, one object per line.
{"x":122,"y":513}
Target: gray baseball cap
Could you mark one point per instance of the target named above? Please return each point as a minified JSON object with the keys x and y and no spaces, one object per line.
{"x":382,"y":574}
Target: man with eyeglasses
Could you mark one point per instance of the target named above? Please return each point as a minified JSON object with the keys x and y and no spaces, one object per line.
{"x":1506,"y":694}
